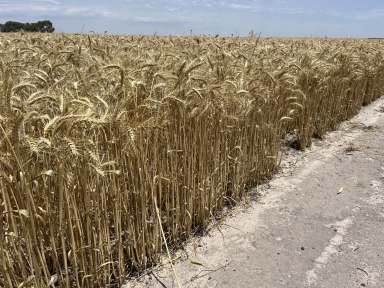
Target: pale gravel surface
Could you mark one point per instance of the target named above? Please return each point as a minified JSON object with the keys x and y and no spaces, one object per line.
{"x":318,"y":223}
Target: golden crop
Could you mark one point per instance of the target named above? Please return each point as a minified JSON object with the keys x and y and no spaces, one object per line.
{"x":107,"y":142}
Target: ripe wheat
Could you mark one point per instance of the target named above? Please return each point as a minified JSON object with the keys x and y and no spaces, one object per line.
{"x":107,"y":142}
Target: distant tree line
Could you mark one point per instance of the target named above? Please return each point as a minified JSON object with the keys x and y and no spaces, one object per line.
{"x":40,"y":26}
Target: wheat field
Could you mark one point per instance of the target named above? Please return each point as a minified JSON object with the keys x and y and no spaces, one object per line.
{"x":113,"y":146}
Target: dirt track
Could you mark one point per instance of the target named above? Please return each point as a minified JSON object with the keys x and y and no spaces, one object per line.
{"x":318,"y":223}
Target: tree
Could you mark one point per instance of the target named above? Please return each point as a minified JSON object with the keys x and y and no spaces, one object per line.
{"x":45,"y":26}
{"x":40,"y":26}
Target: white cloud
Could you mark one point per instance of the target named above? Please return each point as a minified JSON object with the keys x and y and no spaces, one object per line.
{"x":240,"y":6}
{"x":53,"y":2}
{"x":51,"y":7}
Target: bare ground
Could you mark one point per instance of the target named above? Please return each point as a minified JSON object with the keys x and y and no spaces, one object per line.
{"x":318,"y":223}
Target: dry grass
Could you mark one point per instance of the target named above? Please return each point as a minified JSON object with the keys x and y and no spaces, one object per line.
{"x":99,"y":133}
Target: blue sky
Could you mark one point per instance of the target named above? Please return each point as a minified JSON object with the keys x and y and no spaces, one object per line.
{"x":269,"y":17}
